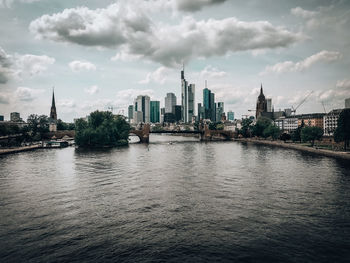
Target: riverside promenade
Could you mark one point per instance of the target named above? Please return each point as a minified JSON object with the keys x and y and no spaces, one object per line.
{"x":19,"y":149}
{"x":335,"y":154}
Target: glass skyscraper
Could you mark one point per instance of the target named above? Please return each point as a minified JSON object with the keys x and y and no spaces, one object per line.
{"x":155,"y":111}
{"x":187,"y":99}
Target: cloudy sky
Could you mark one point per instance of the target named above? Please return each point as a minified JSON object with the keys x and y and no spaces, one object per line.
{"x":101,"y":54}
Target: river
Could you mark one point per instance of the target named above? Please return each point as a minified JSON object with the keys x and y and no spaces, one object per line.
{"x":184,"y":201}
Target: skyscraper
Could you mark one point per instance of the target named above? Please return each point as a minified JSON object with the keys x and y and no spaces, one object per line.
{"x":130,"y":112}
{"x":187,"y":98}
{"x":261,"y":105}
{"x":170,"y":102}
{"x":269,"y":104}
{"x":230,"y":115}
{"x":219,"y":111}
{"x":155,"y":111}
{"x":209,"y":104}
{"x":141,"y":109}
{"x":347,"y":103}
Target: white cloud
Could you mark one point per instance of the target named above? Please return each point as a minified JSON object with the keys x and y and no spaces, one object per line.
{"x":335,"y":97}
{"x":4,"y":98}
{"x":126,"y":97}
{"x":135,"y":34}
{"x":66,"y":103}
{"x":211,"y":72}
{"x":78,"y":66}
{"x":8,"y":3}
{"x":289,"y":66}
{"x":157,"y":76}
{"x":306,"y":14}
{"x":27,"y":94}
{"x":92,"y":90}
{"x":32,"y":64}
{"x":191,"y":6}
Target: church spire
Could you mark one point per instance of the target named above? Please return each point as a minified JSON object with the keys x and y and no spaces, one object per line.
{"x":53,"y":113}
{"x":261,"y":90}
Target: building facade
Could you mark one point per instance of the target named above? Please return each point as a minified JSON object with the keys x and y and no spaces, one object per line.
{"x":230,"y":116}
{"x":312,"y":119}
{"x":155,"y":111}
{"x":330,"y":122}
{"x":219,"y":111}
{"x":209,"y":105}
{"x":187,"y":99}
{"x":347,"y":103}
{"x":15,"y":117}
{"x":170,"y":103}
{"x":142,"y":109}
{"x":130,"y":113}
{"x":269,"y":105}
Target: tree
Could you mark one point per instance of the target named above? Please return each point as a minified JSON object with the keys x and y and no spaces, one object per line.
{"x":245,"y":130}
{"x":296,"y":135}
{"x":272,"y":131}
{"x":310,"y":134}
{"x":261,"y":124}
{"x":102,"y":130}
{"x":38,"y":125}
{"x":285,"y":136}
{"x":342,"y":132}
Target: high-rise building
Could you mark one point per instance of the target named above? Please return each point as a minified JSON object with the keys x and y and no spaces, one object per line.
{"x":177,"y":113}
{"x":219,"y":111}
{"x":187,"y":98}
{"x":269,"y":104}
{"x":1,"y":117}
{"x":209,"y":104}
{"x":230,"y":115}
{"x":15,"y":117}
{"x":261,"y":105}
{"x":130,"y":112}
{"x":155,"y":111}
{"x":170,"y":102}
{"x":200,"y":112}
{"x":142,"y":109}
{"x":347,"y":103}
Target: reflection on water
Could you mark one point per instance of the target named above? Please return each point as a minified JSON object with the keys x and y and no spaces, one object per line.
{"x":175,"y":199}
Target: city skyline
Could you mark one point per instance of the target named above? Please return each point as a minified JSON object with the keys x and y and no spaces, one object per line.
{"x":291,"y":48}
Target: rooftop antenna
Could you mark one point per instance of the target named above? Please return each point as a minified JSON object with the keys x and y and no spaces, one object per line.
{"x":205,"y":83}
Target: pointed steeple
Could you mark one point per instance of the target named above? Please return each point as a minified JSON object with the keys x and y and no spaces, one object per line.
{"x":53,"y":113}
{"x":261,"y":90}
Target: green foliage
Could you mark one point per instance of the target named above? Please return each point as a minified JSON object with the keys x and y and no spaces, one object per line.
{"x":220,"y":126}
{"x":310,"y":134}
{"x":285,"y":136}
{"x":38,"y":125}
{"x":212,"y":126}
{"x":296,"y":135}
{"x":103,"y":129}
{"x":246,"y":125}
{"x":261,"y":124}
{"x":342,"y":132}
{"x":157,"y":127}
{"x":271,"y":131}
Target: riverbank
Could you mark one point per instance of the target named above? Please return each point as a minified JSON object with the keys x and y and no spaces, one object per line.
{"x":328,"y":153}
{"x":19,"y":149}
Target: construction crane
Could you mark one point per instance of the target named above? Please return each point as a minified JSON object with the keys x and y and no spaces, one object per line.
{"x":324,"y":108}
{"x":301,"y":103}
{"x":121,"y":112}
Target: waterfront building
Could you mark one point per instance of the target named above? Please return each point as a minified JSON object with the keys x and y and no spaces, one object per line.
{"x":170,"y":103}
{"x":287,"y":124}
{"x":187,"y":98}
{"x":130,"y":112}
{"x":142,"y":109}
{"x":330,"y":122}
{"x":347,"y":103}
{"x":219,"y":111}
{"x":312,"y":119}
{"x":230,"y":116}
{"x":155,"y":111}
{"x":169,"y":117}
{"x":15,"y":117}
{"x":162,"y":113}
{"x":261,"y":105}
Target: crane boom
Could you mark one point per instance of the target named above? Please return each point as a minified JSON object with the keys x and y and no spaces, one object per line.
{"x":302,"y":102}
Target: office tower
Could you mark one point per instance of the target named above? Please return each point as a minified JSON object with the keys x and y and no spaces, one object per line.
{"x":1,"y":117}
{"x":15,"y":116}
{"x":269,"y":104}
{"x":200,"y":112}
{"x":141,"y":109}
{"x":177,"y":113}
{"x":130,"y":112}
{"x":155,"y":110}
{"x":219,"y":111}
{"x":170,"y":102}
{"x":187,"y":98}
{"x":209,"y":104}
{"x":230,"y":116}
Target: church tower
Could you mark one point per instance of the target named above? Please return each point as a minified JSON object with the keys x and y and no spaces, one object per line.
{"x":53,"y":113}
{"x":261,"y":104}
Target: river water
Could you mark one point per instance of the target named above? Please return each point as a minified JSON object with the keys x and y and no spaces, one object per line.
{"x":184,"y":201}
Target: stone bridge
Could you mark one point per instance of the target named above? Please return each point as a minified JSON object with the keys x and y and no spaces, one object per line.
{"x":205,"y":133}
